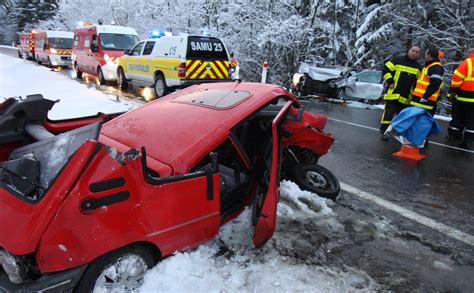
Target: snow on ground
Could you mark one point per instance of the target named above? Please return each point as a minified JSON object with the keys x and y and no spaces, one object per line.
{"x":19,"y":77}
{"x":360,"y":105}
{"x":355,"y":104}
{"x":231,"y":263}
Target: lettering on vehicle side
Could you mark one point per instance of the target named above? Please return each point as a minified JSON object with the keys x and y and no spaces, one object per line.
{"x":206,"y":46}
{"x":139,"y":67}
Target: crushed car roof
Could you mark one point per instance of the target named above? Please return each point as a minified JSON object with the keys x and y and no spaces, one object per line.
{"x":181,"y":128}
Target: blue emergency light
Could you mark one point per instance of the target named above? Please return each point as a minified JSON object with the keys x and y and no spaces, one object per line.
{"x":159,"y":34}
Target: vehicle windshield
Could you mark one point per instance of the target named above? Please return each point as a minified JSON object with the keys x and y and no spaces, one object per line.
{"x":117,"y":42}
{"x":63,"y":43}
{"x":370,"y":77}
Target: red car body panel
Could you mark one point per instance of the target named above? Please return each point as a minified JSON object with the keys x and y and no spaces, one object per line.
{"x":186,"y":216}
{"x":199,"y":125}
{"x":20,"y":219}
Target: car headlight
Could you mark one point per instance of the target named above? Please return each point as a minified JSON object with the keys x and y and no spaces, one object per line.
{"x":53,"y":51}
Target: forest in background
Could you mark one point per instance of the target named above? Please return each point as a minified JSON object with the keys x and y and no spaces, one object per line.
{"x":354,"y":33}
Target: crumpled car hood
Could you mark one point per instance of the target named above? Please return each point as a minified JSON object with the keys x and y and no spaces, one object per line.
{"x":320,"y":73}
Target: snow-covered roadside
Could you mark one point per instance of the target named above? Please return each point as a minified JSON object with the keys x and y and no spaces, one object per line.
{"x":19,"y":77}
{"x":241,"y":268}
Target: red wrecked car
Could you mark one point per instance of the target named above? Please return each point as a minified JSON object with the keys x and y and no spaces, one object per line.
{"x":90,"y":204}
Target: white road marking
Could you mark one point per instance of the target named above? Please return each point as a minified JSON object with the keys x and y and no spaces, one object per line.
{"x":440,"y":227}
{"x":376,"y":129}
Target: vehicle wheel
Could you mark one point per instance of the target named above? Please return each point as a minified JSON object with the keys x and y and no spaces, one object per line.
{"x":100,"y":77}
{"x":38,"y":60}
{"x":317,"y":179}
{"x":160,"y":87}
{"x":78,"y":72}
{"x":121,"y":79}
{"x":49,"y":63}
{"x":341,"y":94}
{"x":121,"y":270}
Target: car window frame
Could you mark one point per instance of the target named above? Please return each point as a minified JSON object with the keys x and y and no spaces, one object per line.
{"x":134,"y":47}
{"x":145,"y":47}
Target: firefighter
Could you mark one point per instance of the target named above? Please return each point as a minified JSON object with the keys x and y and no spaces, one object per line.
{"x":462,"y":88}
{"x":429,"y":83}
{"x":399,"y":75}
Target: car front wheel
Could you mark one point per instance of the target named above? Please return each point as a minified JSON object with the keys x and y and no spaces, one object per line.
{"x":78,"y":72}
{"x":122,"y":270}
{"x":317,"y":179}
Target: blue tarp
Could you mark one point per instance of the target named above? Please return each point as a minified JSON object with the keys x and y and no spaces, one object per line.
{"x":415,"y":124}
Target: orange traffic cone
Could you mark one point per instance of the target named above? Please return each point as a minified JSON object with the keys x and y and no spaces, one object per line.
{"x":411,"y":153}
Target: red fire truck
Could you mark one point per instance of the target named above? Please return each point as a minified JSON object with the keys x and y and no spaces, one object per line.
{"x":27,"y":45}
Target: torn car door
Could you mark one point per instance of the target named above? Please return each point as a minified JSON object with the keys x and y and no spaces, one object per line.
{"x":265,"y":205}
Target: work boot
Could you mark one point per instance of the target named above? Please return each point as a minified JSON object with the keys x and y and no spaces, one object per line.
{"x":466,"y":144}
{"x":384,"y":137}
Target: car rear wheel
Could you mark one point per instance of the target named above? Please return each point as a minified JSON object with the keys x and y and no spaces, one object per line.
{"x":121,"y":270}
{"x":100,"y":77}
{"x":78,"y":72}
{"x":121,"y":79}
{"x":317,"y":179}
{"x":160,"y":87}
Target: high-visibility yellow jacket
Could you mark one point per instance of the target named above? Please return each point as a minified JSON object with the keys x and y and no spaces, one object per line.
{"x":401,"y":72}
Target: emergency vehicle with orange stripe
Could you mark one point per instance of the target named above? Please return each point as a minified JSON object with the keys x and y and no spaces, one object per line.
{"x":53,"y":48}
{"x":172,"y":62}
{"x":97,"y":47}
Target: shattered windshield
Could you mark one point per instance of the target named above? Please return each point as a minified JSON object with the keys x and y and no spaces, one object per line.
{"x":63,"y":43}
{"x":117,"y":42}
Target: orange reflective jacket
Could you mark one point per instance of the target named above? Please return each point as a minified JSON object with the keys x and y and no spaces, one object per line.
{"x":463,"y":80}
{"x":423,"y":82}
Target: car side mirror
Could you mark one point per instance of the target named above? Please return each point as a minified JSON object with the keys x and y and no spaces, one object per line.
{"x":94,"y":48}
{"x":126,"y":51}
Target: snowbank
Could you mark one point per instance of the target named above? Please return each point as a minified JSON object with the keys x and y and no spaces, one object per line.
{"x":19,"y":77}
{"x":232,"y":264}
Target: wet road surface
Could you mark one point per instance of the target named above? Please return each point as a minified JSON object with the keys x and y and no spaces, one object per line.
{"x":440,"y":187}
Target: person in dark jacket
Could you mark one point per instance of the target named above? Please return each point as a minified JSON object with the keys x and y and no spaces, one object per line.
{"x":399,"y":75}
{"x":428,"y":85}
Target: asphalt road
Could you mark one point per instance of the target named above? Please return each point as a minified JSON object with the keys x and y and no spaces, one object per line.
{"x":430,"y":201}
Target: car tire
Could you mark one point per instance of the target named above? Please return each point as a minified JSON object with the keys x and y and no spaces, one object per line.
{"x":100,"y":77}
{"x":159,"y":87}
{"x":38,"y":60}
{"x":341,"y":94}
{"x":97,"y":277}
{"x":49,"y":64}
{"x":77,"y":70}
{"x":121,"y":79}
{"x":317,"y":179}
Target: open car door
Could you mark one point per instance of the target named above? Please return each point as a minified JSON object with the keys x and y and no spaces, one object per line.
{"x":265,"y":204}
